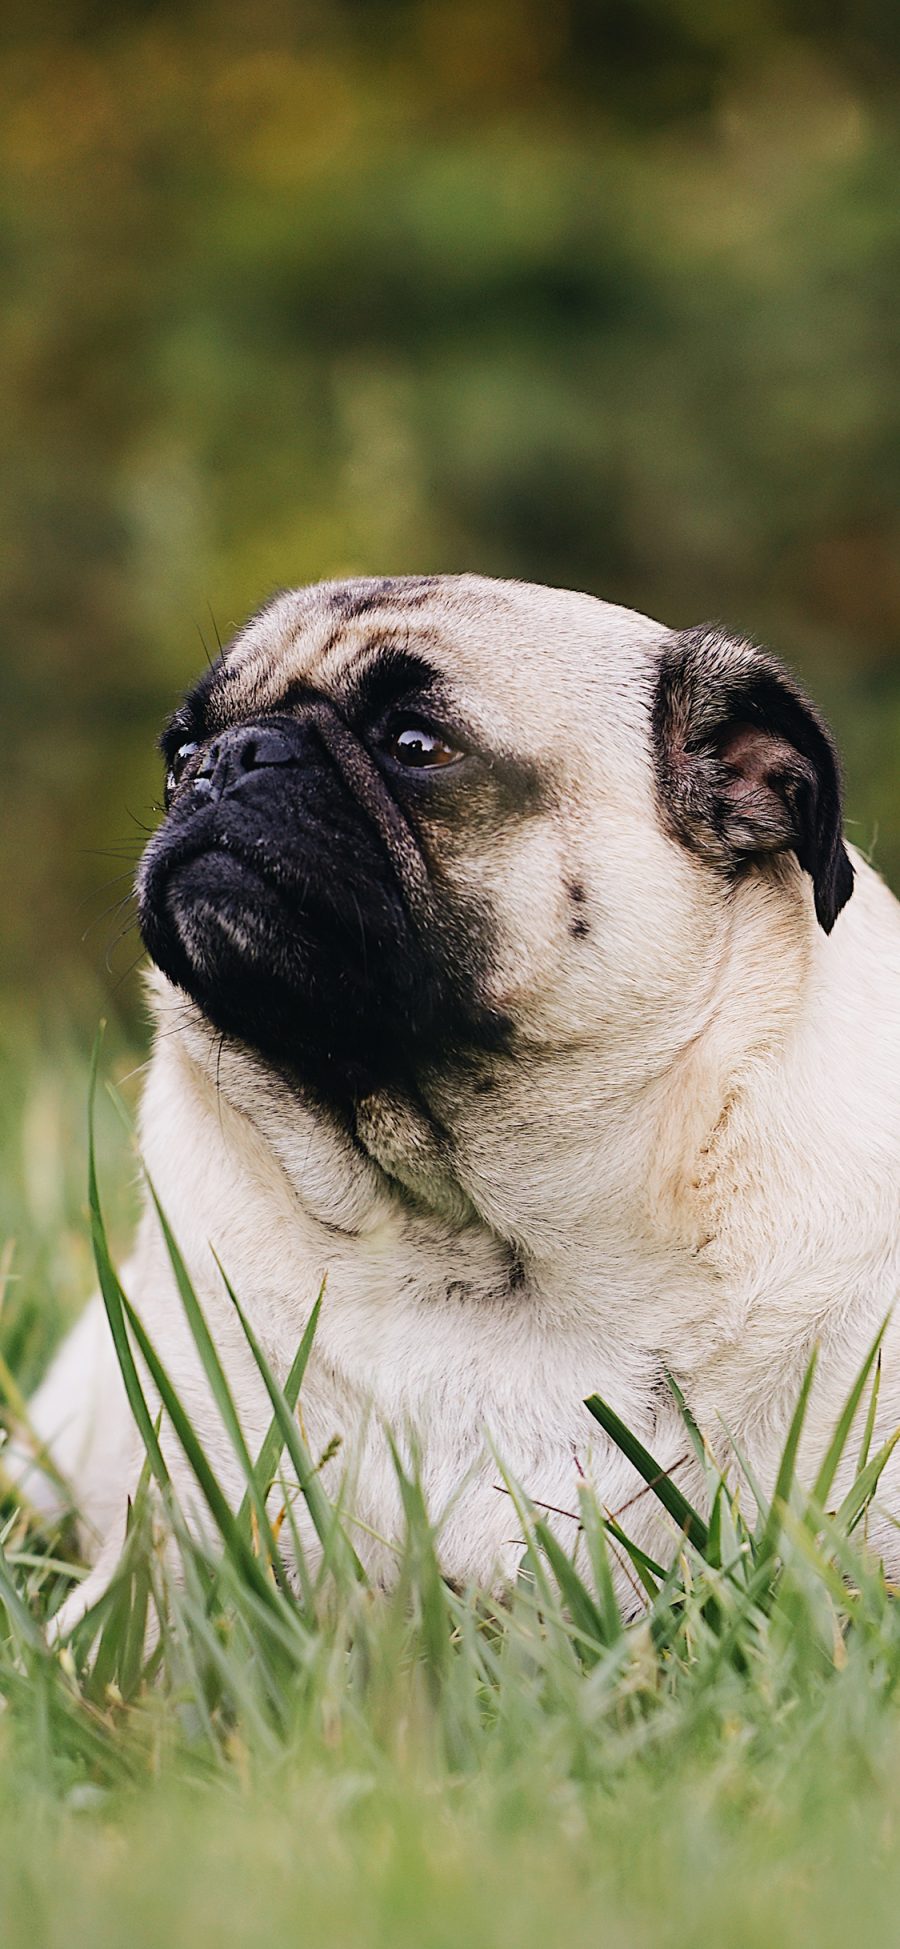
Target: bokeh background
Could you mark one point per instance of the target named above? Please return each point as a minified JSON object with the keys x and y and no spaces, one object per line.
{"x":605,"y":295}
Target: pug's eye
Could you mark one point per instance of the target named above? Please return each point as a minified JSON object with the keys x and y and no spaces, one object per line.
{"x":177,"y":765}
{"x":412,"y":745}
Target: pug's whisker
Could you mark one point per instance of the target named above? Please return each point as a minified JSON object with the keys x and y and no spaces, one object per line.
{"x":139,"y":1069}
{"x":116,"y":907}
{"x":97,"y":892}
{"x":125,"y":848}
{"x":206,"y":653}
{"x":115,"y":943}
{"x":114,"y":881}
{"x":141,"y":826}
{"x":173,"y":1029}
{"x":130,"y":970}
{"x":109,"y":963}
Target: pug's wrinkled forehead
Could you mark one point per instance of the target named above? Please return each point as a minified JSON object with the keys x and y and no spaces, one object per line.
{"x":490,"y":646}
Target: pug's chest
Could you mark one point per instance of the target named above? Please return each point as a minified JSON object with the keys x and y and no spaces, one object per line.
{"x":479,"y":1411}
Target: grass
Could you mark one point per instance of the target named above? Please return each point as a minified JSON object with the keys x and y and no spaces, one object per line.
{"x":329,"y":1762}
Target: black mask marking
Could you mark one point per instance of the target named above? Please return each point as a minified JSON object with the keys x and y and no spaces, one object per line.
{"x":286,"y":892}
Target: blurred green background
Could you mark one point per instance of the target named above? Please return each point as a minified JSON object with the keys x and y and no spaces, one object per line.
{"x":605,"y":295}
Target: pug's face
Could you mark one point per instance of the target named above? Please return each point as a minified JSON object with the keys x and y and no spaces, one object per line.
{"x":431,"y":827}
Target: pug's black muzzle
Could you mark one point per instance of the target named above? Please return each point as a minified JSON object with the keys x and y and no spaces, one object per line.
{"x":286,"y":893}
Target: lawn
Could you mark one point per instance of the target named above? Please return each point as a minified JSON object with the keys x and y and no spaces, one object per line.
{"x":425,"y":1768}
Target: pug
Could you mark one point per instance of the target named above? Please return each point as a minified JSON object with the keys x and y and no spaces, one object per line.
{"x":512,"y":977}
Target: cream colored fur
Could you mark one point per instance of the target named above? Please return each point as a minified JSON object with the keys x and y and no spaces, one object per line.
{"x":696,"y":1160}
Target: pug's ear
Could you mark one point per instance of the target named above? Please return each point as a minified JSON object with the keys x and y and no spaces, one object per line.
{"x":745,"y":766}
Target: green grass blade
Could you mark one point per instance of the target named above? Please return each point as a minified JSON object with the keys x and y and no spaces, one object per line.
{"x":266,"y":1465}
{"x":831,"y":1579}
{"x":841,"y":1434}
{"x":584,"y":1613}
{"x":23,"y":1625}
{"x":787,"y":1466}
{"x":218,"y":1383}
{"x":860,"y":1493}
{"x":132,"y":1647}
{"x":714,"y":1542}
{"x":594,"y":1532}
{"x":213,"y":1494}
{"x":115,"y":1612}
{"x":696,"y":1439}
{"x":665,"y":1490}
{"x":114,"y":1297}
{"x":865,"y":1446}
{"x":322,"y":1515}
{"x":15,"y":1414}
{"x":650,"y":1572}
{"x":525,"y":1513}
{"x":423,"y":1569}
{"x":760,"y":1498}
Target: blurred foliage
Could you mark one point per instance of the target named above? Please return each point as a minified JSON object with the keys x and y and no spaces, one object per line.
{"x":599,"y":294}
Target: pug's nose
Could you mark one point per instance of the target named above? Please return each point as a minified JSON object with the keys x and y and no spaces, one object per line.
{"x":248,"y":748}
